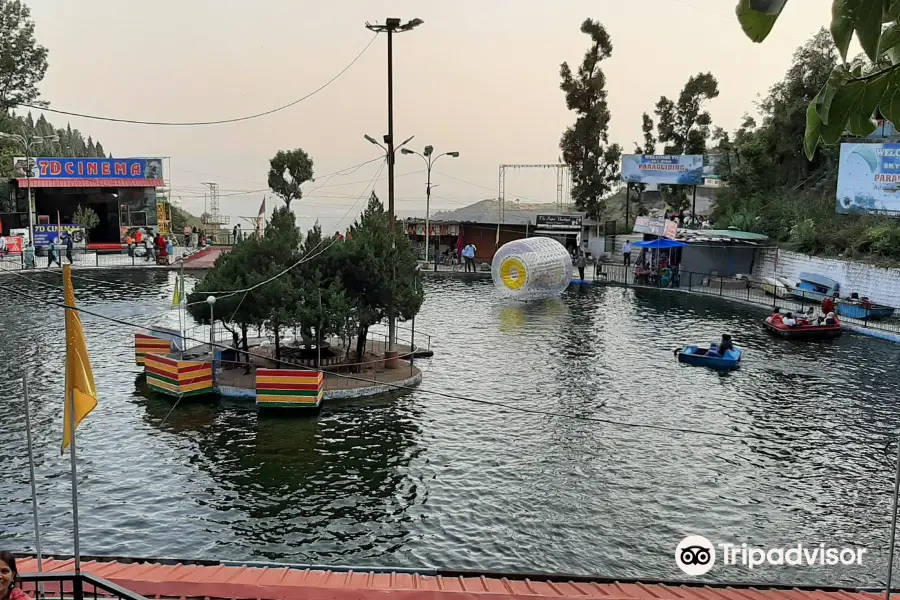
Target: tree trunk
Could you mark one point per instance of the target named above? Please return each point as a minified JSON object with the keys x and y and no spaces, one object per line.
{"x":361,"y":334}
{"x":277,"y":348}
{"x":246,"y":345}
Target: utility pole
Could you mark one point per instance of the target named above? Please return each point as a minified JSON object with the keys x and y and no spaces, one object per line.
{"x":391,"y":25}
{"x":430,"y":159}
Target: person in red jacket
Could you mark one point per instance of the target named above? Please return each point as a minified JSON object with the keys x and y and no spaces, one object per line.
{"x":827,"y":305}
{"x":8,"y":579}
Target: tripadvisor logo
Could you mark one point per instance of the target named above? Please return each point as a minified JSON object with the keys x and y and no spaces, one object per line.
{"x":695,"y":555}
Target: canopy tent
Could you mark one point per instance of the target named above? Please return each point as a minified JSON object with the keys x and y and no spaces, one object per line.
{"x":659,"y":244}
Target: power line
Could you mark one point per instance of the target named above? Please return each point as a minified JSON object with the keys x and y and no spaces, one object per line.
{"x":304,"y":259}
{"x":493,"y":404}
{"x":223,"y":121}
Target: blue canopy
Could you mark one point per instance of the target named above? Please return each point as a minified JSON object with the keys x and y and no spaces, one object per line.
{"x":659,"y":243}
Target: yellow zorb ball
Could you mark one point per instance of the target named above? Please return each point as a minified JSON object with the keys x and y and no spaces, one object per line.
{"x":531,"y":269}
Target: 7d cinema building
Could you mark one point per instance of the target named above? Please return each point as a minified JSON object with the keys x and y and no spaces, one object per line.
{"x":122,"y":191}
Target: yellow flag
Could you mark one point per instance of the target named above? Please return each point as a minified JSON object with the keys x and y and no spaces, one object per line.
{"x":176,"y":297}
{"x":79,"y":375}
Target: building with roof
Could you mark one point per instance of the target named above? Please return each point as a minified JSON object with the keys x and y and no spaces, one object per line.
{"x":122,"y":191}
{"x":484,"y":225}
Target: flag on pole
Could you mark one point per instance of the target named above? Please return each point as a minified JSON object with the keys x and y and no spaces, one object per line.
{"x":497,"y":241}
{"x":80,"y":388}
{"x":179,"y":292}
{"x":260,"y":218}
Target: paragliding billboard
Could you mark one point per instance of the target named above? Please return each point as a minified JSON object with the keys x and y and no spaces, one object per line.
{"x":869,"y":178}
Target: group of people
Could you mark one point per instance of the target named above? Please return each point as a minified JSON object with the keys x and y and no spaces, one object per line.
{"x":156,"y":246}
{"x":810,"y":317}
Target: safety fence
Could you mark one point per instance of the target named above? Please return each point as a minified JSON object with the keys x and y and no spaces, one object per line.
{"x":748,"y":290}
{"x":81,"y":257}
{"x":74,"y":586}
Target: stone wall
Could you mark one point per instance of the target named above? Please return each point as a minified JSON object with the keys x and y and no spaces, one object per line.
{"x":880,"y":285}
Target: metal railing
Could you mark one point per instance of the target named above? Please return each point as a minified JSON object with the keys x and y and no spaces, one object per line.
{"x":90,"y":258}
{"x":77,"y":586}
{"x":746,"y":290}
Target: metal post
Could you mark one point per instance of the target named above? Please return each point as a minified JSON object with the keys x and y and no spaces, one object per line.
{"x":34,"y":499}
{"x":627,"y":204}
{"x":77,"y":548}
{"x":694,"y":210}
{"x":390,"y":91}
{"x":28,"y":180}
{"x":887,"y":594}
{"x":428,"y":209}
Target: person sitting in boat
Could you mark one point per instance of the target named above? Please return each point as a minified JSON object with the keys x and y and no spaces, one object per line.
{"x":719,"y":350}
{"x":830,"y":320}
{"x":827,"y":305}
{"x":789,"y":320}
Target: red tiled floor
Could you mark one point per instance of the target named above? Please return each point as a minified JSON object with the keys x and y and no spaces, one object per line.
{"x":282,"y":583}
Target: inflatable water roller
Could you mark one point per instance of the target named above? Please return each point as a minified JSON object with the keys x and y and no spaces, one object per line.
{"x":531,"y":269}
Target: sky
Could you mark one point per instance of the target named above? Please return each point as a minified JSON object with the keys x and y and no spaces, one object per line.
{"x":480,"y":78}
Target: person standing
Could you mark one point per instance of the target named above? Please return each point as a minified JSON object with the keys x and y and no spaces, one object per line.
{"x":51,"y":254}
{"x":70,"y":244}
{"x":626,"y":253}
{"x":581,"y":263}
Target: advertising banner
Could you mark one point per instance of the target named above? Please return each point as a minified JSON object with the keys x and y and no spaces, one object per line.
{"x":13,"y":245}
{"x":89,"y":168}
{"x":869,"y":178}
{"x":657,"y":226}
{"x":44,"y":234}
{"x":558,"y":221}
{"x":674,"y":169}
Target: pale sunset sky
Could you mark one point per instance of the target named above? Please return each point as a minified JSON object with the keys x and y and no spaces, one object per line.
{"x":481,"y":78}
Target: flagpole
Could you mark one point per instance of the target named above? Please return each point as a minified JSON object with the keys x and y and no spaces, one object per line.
{"x":34,"y":498}
{"x":74,"y":482}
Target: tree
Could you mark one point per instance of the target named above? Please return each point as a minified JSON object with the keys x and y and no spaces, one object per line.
{"x":649,"y":147}
{"x":23,"y":62}
{"x":594,"y":163}
{"x":684,"y":128}
{"x":288,"y":171}
{"x":853,"y":96}
{"x":87,"y":218}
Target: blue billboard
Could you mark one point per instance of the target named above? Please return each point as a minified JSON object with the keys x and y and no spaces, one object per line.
{"x":869,"y":178}
{"x":89,"y":168}
{"x":674,"y":169}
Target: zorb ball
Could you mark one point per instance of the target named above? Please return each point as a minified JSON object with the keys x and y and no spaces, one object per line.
{"x":531,"y":269}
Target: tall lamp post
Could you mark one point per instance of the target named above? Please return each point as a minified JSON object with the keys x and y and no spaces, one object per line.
{"x":28,"y":143}
{"x":429,"y":158}
{"x":391,"y":26}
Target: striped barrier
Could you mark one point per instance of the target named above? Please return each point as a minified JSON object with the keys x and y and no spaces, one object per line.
{"x":284,"y":388}
{"x":178,"y":377}
{"x":147,"y":344}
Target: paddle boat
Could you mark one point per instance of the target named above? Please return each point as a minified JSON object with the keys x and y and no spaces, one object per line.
{"x":863,"y":309}
{"x":699,"y":356}
{"x":815,"y":287}
{"x":803,"y":330}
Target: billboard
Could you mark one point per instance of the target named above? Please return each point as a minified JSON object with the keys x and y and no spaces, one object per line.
{"x":869,"y":178}
{"x":657,"y":226}
{"x":44,"y":234}
{"x":88,"y":168}
{"x":558,"y":221}
{"x":675,"y":169}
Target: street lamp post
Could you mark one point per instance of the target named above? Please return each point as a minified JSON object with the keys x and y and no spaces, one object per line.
{"x":429,"y":158}
{"x":27,"y":144}
{"x":390,"y":26}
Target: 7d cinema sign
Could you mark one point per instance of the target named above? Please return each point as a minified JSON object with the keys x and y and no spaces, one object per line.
{"x":90,"y":168}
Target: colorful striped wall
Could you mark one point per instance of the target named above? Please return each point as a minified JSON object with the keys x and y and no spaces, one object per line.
{"x":147,"y":344}
{"x":284,"y":388}
{"x":178,"y":377}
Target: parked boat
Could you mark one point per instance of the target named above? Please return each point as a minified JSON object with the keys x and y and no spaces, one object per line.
{"x":815,"y":287}
{"x":775,"y":287}
{"x":697,"y":355}
{"x":803,"y":330}
{"x":864,"y":309}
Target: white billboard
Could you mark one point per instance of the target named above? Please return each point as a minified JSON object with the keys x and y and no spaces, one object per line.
{"x":869,"y":178}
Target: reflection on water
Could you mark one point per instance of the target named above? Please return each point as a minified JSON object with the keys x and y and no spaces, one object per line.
{"x":421,"y":479}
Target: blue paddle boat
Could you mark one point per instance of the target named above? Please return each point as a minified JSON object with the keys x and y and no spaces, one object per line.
{"x":709,"y":357}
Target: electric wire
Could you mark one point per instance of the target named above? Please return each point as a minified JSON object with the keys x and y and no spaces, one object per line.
{"x":401,"y":387}
{"x":304,"y":259}
{"x":220,"y":122}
